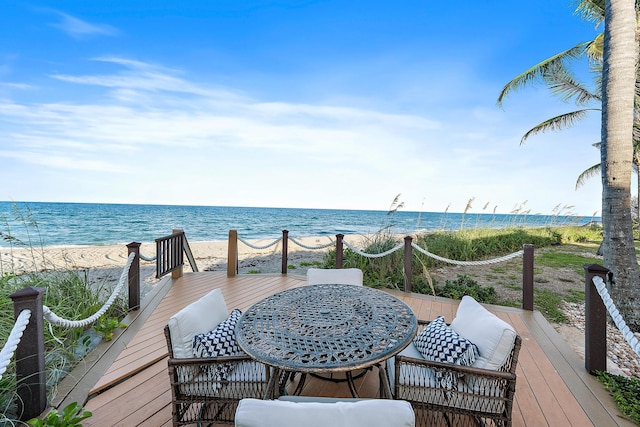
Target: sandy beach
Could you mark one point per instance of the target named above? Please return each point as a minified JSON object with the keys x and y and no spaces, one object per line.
{"x":104,"y":263}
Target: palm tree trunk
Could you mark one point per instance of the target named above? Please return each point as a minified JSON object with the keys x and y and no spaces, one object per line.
{"x":618,"y":91}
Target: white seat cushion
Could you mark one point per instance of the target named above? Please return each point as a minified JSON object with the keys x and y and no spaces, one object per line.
{"x":198,"y":317}
{"x":420,"y":383}
{"x":493,"y":336}
{"x":341,"y":276}
{"x":365,"y":413}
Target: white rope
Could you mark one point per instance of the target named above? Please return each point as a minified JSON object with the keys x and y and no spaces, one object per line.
{"x":14,"y":339}
{"x":147,"y":258}
{"x":615,"y":314}
{"x":259,"y":247}
{"x":380,"y":255}
{"x":58,"y":321}
{"x":302,"y":245}
{"x":483,"y":262}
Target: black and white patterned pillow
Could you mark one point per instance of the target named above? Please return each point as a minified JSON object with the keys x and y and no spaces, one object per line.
{"x":221,"y":341}
{"x":439,"y":343}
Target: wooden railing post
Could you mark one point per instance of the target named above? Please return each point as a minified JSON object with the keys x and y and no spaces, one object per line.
{"x":339,"y":250}
{"x":285,"y":246}
{"x":527,"y":277}
{"x":29,"y":356}
{"x":177,"y":248}
{"x":408,"y":254}
{"x":232,"y":254}
{"x":595,"y":321}
{"x":134,"y":276}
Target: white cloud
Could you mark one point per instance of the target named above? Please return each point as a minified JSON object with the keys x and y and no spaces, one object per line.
{"x":160,"y":130}
{"x":78,"y":28}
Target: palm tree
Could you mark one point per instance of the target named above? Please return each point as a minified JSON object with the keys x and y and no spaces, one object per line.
{"x":617,"y":158}
{"x":619,"y":82}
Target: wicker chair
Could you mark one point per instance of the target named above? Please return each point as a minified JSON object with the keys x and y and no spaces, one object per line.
{"x":199,"y":393}
{"x":454,"y":395}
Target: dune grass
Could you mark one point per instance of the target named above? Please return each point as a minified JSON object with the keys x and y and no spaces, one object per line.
{"x":461,"y":245}
{"x":69,"y":295}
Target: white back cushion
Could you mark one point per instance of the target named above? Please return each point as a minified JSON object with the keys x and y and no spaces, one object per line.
{"x":493,"y":336}
{"x":365,"y":413}
{"x":198,"y":317}
{"x":341,"y":276}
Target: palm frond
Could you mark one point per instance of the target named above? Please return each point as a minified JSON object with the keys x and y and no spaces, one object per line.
{"x":595,"y":49}
{"x":563,"y":121}
{"x":538,"y":70}
{"x":562,"y":83}
{"x":591,"y":10}
{"x":589,"y":173}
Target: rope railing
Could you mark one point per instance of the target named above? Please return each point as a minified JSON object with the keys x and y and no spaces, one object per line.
{"x":629,"y":336}
{"x":275,"y":242}
{"x":147,"y":258}
{"x":312,"y":248}
{"x":53,"y":318}
{"x":482,"y":262}
{"x":434,"y":256}
{"x":14,"y":339}
{"x":367,"y":255}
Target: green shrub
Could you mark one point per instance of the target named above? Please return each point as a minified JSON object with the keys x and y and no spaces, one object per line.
{"x":465,"y":285}
{"x":462,"y":245}
{"x":625,"y":392}
{"x":70,"y":416}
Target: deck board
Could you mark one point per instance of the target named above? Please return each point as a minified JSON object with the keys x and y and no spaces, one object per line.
{"x":550,"y":390}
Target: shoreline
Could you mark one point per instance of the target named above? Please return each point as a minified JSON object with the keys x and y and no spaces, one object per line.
{"x":209,"y":255}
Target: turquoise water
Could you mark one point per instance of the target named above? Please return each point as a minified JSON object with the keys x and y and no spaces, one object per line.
{"x":49,"y":224}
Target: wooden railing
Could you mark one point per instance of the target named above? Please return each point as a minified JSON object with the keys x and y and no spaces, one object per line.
{"x":595,"y":317}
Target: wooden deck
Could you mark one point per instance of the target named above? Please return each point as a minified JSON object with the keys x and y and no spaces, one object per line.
{"x":126,"y":383}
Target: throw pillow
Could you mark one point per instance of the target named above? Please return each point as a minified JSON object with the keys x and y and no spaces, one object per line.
{"x":439,"y":343}
{"x":221,"y":341}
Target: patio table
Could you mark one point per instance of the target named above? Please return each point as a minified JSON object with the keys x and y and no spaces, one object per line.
{"x":326,"y":328}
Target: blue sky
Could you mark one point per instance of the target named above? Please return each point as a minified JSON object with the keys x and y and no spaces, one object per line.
{"x":318,"y":104}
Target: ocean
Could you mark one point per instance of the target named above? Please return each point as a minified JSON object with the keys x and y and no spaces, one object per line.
{"x":55,"y":224}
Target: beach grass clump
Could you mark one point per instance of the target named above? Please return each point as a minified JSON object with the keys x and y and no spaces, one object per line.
{"x":68,"y":293}
{"x":462,"y":245}
{"x":482,"y":243}
{"x":64,"y":347}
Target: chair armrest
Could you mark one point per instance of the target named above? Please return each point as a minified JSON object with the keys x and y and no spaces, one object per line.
{"x":459,"y":369}
{"x":208,"y":360}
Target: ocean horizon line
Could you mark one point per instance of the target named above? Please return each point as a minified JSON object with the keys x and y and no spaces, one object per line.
{"x":82,"y":224}
{"x":513,"y":211}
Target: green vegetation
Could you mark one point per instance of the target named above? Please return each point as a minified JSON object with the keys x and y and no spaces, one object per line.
{"x":71,"y":416}
{"x":558,"y":259}
{"x":465,"y":285}
{"x":464,"y":245}
{"x":69,"y":295}
{"x":625,"y":392}
{"x":548,"y":303}
{"x":107,"y":325}
{"x":310,"y":264}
